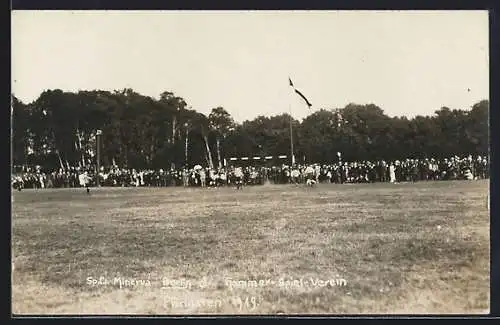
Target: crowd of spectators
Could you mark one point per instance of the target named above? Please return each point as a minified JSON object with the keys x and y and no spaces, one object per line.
{"x":407,"y":170}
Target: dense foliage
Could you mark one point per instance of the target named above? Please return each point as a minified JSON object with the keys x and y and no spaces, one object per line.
{"x":59,"y":128}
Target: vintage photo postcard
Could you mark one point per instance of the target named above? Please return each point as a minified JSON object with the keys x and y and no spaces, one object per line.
{"x":250,"y":162}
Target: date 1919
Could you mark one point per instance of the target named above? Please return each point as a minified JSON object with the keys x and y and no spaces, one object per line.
{"x":246,"y":303}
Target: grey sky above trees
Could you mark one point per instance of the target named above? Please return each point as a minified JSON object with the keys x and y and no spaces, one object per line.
{"x":407,"y":63}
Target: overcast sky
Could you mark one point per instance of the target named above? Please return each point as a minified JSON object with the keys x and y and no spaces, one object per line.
{"x":407,"y":63}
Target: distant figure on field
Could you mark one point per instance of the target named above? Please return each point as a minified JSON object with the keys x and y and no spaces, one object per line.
{"x":310,"y":173}
{"x":294,"y":176}
{"x":392,"y":173}
{"x":238,"y":177}
{"x":84,"y":179}
{"x":203,"y":178}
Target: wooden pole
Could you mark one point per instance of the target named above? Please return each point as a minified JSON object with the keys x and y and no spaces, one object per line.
{"x":98,"y":156}
{"x":291,"y":136}
{"x":186,"y":147}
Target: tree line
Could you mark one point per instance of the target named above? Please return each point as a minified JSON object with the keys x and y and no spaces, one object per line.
{"x":59,"y":129}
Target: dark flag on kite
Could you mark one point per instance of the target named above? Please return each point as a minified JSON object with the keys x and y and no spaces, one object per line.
{"x":299,"y":93}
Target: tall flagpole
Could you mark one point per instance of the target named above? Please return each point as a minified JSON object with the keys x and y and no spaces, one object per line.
{"x":98,"y":154}
{"x":291,"y":119}
{"x":291,"y":135}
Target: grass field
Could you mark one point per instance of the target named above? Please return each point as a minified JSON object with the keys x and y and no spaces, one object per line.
{"x":384,"y":248}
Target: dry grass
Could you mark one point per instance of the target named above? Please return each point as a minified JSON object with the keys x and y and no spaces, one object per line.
{"x":405,"y":248}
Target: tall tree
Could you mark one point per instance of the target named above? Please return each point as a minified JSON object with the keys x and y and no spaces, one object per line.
{"x":59,"y":129}
{"x":478,"y":127}
{"x":221,"y":124}
{"x":20,"y":131}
